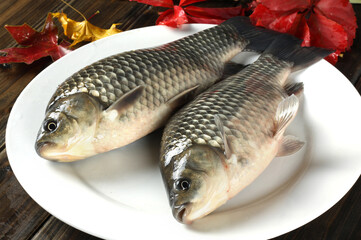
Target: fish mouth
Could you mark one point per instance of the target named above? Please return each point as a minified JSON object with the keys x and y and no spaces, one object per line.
{"x":50,"y":151}
{"x":42,"y":147}
{"x":69,"y":153}
{"x":180,"y":213}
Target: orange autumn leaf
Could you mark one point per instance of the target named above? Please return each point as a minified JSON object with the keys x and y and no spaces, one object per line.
{"x":84,"y":30}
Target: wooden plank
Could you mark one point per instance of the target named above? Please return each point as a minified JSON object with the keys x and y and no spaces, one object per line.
{"x":124,"y":12}
{"x":14,"y":80}
{"x":20,"y":216}
{"x":55,"y":229}
{"x":25,"y":11}
{"x":358,"y":85}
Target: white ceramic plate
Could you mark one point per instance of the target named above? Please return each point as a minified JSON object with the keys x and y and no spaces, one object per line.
{"x":120,"y":194}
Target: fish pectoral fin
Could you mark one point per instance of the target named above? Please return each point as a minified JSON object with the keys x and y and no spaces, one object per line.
{"x":127,"y":100}
{"x":227,"y":147}
{"x":286,"y":112}
{"x":289,"y":145}
{"x":294,"y":88}
{"x":181,"y":98}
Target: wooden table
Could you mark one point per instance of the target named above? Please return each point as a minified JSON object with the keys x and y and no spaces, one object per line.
{"x":22,"y":218}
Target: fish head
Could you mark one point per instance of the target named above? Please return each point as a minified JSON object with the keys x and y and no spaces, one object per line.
{"x":196,"y":183}
{"x":68,"y":129}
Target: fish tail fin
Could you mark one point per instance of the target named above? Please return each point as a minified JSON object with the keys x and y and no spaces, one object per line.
{"x":259,"y":38}
{"x":288,"y":48}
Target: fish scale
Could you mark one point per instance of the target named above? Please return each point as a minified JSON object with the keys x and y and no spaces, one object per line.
{"x":164,"y":70}
{"x":230,"y":99}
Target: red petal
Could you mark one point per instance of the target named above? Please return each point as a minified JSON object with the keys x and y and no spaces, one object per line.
{"x":173,"y":17}
{"x":286,"y":5}
{"x":340,"y":11}
{"x":188,"y":2}
{"x":157,"y":3}
{"x":216,"y":13}
{"x":326,"y":33}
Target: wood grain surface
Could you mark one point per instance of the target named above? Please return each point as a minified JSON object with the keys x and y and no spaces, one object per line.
{"x":22,"y":218}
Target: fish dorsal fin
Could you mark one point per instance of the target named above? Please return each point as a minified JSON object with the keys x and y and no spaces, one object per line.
{"x":289,"y":145}
{"x":181,"y":98}
{"x":286,"y":111}
{"x":227,"y":150}
{"x":127,"y":100}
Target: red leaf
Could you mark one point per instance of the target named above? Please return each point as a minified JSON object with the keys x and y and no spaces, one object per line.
{"x":39,"y":44}
{"x":303,"y":32}
{"x":285,"y":23}
{"x":286,"y":5}
{"x":23,"y":34}
{"x":340,"y":11}
{"x":205,"y":20}
{"x":29,"y":54}
{"x":157,"y":3}
{"x":188,"y":2}
{"x":320,"y":23}
{"x":326,"y":33}
{"x":61,"y":50}
{"x":333,"y":57}
{"x":262,"y":16}
{"x":293,"y":23}
{"x":215,"y":13}
{"x":172,"y":17}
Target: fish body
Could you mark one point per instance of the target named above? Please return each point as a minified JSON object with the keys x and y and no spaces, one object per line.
{"x":122,"y":98}
{"x":219,"y":143}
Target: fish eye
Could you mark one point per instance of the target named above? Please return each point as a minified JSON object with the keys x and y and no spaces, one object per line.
{"x":183,"y":184}
{"x":51,"y":125}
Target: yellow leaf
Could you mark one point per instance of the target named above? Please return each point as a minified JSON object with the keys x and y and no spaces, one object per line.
{"x":83,"y":31}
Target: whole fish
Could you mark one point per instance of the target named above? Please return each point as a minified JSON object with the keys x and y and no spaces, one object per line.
{"x":220,"y":142}
{"x":122,"y":98}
